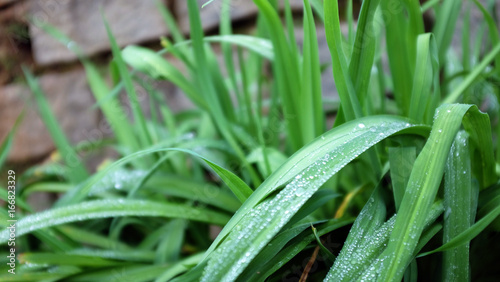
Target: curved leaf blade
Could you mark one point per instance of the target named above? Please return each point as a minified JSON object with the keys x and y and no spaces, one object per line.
{"x":111,"y":208}
{"x":259,"y":220}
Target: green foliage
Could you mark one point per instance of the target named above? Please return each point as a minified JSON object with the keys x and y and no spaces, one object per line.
{"x":398,"y":189}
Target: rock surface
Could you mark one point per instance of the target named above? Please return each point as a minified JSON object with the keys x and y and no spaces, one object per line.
{"x":70,"y":100}
{"x":210,"y":14}
{"x":130,"y":21}
{"x":5,"y":2}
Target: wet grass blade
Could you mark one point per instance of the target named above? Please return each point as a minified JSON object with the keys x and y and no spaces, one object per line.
{"x":364,"y":243}
{"x":446,"y":18}
{"x":92,"y":239}
{"x":425,"y":94}
{"x":312,"y":108}
{"x":350,"y":102}
{"x":76,"y":170}
{"x":473,"y":75}
{"x":112,"y":109}
{"x":178,"y":268}
{"x":138,"y":114}
{"x":136,"y":273}
{"x":112,"y":208}
{"x":57,"y":273}
{"x":331,"y":152}
{"x":7,"y":142}
{"x":65,"y":259}
{"x":193,"y":190}
{"x":469,"y":234}
{"x":457,"y":201}
{"x":285,"y":71}
{"x":217,"y":104}
{"x":398,"y":53}
{"x":169,"y":249}
{"x":157,"y":67}
{"x":422,"y":189}
{"x":401,"y":160}
{"x":363,"y":52}
{"x":81,"y":192}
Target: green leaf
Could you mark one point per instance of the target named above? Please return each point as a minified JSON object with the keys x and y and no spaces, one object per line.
{"x":111,"y":208}
{"x":343,"y":80}
{"x":136,"y":273}
{"x":156,"y":66}
{"x":170,"y":247}
{"x":259,"y":219}
{"x":469,"y":234}
{"x":193,"y":190}
{"x":401,"y":160}
{"x":364,"y":243}
{"x":178,"y":268}
{"x":56,"y":273}
{"x":139,"y":117}
{"x":65,"y":259}
{"x":311,"y":98}
{"x":294,"y":248}
{"x":76,"y":170}
{"x":398,"y":52}
{"x":363,"y":52}
{"x":285,"y":69}
{"x":422,"y":189}
{"x":7,"y":142}
{"x":425,"y":81}
{"x":473,"y":75}
{"x":457,"y":201}
{"x":446,"y":18}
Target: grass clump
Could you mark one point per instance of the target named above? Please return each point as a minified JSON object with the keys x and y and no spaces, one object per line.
{"x":396,"y":190}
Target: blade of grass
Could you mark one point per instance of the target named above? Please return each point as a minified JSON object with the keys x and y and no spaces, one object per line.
{"x":423,"y":101}
{"x":446,"y":18}
{"x":469,"y":234}
{"x":318,"y":8}
{"x":65,"y":259}
{"x":457,"y":199}
{"x":76,"y":195}
{"x":122,"y":255}
{"x":7,"y":142}
{"x":473,"y":75}
{"x":350,"y":103}
{"x":157,"y":67}
{"x":170,"y":247}
{"x":89,"y":238}
{"x":139,"y":117}
{"x":57,"y":273}
{"x":211,"y":97}
{"x":313,"y":122}
{"x":285,"y":71}
{"x":170,"y":21}
{"x":398,"y":53}
{"x":401,"y":160}
{"x":112,"y":109}
{"x":329,"y":159}
{"x":363,"y":244}
{"x":329,"y":254}
{"x":422,"y":188}
{"x":136,"y":273}
{"x":178,"y":268}
{"x":363,"y":53}
{"x":296,"y":245}
{"x":76,"y":170}
{"x":111,"y":208}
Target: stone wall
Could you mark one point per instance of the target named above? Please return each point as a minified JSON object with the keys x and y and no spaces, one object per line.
{"x":61,"y":75}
